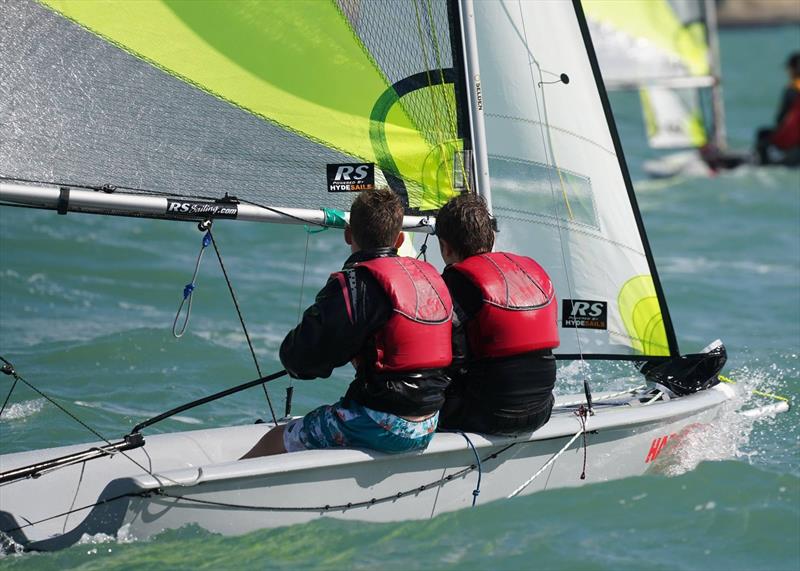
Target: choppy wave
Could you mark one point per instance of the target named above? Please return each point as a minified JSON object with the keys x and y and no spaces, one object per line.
{"x":23,"y":410}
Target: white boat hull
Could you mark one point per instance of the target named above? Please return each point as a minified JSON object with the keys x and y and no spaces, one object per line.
{"x":197,"y":479}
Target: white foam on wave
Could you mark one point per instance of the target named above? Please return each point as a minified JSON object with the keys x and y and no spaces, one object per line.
{"x":693,"y":266}
{"x":21,"y":410}
{"x":9,"y":547}
{"x":123,"y":535}
{"x":133,"y":412}
{"x":140,"y":309}
{"x":729,"y":435}
{"x":266,"y":339}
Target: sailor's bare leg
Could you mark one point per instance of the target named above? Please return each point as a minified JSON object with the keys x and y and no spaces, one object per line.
{"x":271,"y":443}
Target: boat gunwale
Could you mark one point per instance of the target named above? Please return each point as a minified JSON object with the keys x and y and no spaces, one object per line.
{"x":558,"y":428}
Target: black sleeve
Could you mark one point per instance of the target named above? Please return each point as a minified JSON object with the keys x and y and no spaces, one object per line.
{"x":334,"y":329}
{"x":786,"y":103}
{"x":464,"y":292}
{"x":466,"y":303}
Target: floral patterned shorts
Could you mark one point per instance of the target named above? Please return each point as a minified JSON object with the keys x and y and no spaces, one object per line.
{"x":347,"y":424}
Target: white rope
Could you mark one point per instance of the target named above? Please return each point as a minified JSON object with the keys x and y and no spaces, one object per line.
{"x":550,"y":461}
{"x":659,"y":394}
{"x":602,"y":398}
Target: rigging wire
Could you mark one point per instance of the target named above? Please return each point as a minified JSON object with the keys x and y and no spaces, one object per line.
{"x":8,"y":396}
{"x":8,"y":369}
{"x":287,"y":412}
{"x":134,"y":436}
{"x":241,"y":320}
{"x":582,"y":417}
{"x":444,"y":113}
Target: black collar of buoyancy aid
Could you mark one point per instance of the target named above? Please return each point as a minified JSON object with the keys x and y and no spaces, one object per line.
{"x":364,"y":255}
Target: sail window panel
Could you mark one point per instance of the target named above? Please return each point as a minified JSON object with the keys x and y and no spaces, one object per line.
{"x":541,"y":193}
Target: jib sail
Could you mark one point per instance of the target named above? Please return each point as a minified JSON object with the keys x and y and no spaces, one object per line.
{"x":559,"y":184}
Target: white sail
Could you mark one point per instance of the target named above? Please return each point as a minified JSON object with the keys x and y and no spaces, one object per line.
{"x":673,"y":117}
{"x":558,"y":187}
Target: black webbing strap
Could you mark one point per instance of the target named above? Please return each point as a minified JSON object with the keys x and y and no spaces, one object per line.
{"x":62,"y":207}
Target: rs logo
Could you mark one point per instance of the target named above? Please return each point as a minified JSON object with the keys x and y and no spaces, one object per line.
{"x":586,"y":309}
{"x":344,"y":172}
{"x":178,"y":207}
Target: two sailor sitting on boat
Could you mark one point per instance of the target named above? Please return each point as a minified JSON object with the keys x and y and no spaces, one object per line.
{"x":468,"y":350}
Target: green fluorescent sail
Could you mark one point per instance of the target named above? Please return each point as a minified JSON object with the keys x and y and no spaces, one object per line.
{"x":298,"y":64}
{"x":641,"y":314}
{"x":655,"y":21}
{"x":690,"y":121}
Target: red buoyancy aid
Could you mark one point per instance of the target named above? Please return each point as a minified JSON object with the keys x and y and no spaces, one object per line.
{"x":787,"y":135}
{"x":519,"y":312}
{"x":418,"y":334}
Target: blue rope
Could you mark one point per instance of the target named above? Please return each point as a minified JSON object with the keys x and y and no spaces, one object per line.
{"x":188,"y":290}
{"x":476,"y":492}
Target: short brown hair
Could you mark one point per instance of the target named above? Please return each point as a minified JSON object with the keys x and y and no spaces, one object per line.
{"x":466,"y":225}
{"x":376,"y":218}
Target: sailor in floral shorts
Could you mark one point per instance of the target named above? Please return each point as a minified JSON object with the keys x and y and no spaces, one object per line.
{"x":390,"y":316}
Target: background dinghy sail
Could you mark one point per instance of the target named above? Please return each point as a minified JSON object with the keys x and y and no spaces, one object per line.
{"x":292,"y":103}
{"x":668,"y":51}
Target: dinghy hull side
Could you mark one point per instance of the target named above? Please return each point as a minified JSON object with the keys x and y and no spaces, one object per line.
{"x":197,"y":479}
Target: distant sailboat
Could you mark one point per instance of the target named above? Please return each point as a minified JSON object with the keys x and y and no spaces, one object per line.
{"x":223,"y":112}
{"x":668,"y":51}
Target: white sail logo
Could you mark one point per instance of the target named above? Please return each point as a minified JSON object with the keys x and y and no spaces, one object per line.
{"x":207,"y":209}
{"x":351,"y":177}
{"x":584,"y":313}
{"x":359,"y":172}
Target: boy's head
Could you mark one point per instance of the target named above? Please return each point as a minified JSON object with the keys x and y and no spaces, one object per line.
{"x":376,"y":220}
{"x":464,"y":228}
{"x":793,"y":65}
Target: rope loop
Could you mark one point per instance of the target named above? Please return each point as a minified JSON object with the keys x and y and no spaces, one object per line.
{"x":477,"y":465}
{"x":188,"y":289}
{"x":424,"y":248}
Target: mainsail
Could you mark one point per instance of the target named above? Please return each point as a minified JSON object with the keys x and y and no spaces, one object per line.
{"x":667,"y":50}
{"x":559,"y":184}
{"x":252,"y":99}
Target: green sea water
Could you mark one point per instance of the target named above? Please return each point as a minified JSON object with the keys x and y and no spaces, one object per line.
{"x":87,"y":303}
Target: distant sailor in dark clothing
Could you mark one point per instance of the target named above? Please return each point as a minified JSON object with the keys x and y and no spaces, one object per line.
{"x":389,"y":316}
{"x":504,"y":327}
{"x":781,"y":143}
